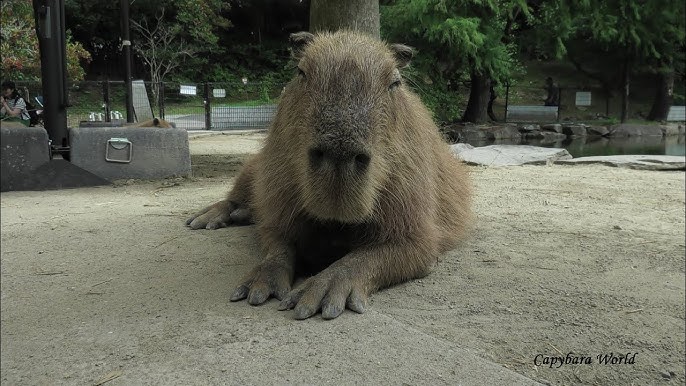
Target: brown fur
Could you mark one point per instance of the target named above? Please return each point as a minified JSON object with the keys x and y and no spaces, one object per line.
{"x":354,"y":179}
{"x":155,"y":122}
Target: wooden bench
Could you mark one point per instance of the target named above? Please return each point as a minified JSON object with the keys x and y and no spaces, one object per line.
{"x":677,"y":113}
{"x":531,"y":113}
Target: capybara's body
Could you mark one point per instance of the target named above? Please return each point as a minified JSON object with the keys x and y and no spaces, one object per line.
{"x":354,"y":181}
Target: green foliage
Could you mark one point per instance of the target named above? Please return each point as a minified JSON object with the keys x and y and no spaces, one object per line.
{"x":468,"y":35}
{"x":19,"y":45}
{"x":198,"y":21}
{"x":456,"y":39}
{"x":201,"y":19}
{"x":187,"y":33}
{"x":439,"y":93}
{"x":646,"y":32}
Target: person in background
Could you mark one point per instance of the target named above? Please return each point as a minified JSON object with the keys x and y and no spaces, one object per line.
{"x":13,"y":106}
{"x":553,"y":98}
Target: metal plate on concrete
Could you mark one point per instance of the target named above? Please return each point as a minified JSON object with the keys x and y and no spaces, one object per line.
{"x":150,"y":152}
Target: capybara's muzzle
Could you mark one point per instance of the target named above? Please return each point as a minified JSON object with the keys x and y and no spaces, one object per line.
{"x":338,"y":158}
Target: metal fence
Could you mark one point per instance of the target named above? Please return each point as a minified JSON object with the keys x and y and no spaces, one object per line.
{"x":575,"y":104}
{"x":239,"y":105}
{"x":192,"y":106}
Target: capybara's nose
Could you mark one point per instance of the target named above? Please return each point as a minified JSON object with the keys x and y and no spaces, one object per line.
{"x":338,"y":156}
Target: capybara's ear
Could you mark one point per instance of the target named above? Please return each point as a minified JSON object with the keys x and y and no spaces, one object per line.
{"x":156,"y":122}
{"x":298,"y":42}
{"x":403,"y":54}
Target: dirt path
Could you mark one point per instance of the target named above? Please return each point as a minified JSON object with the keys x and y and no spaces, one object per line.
{"x":107,"y":282}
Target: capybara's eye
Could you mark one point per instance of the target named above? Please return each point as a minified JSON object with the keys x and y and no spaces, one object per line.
{"x":301,"y":72}
{"x":394,"y":85}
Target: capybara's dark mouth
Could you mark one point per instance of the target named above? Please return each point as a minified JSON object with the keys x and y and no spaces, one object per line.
{"x":340,"y":197}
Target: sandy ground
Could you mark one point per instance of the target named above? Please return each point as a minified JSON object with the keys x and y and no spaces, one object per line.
{"x":107,"y":285}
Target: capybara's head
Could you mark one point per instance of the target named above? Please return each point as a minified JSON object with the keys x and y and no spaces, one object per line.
{"x":155,"y":122}
{"x":342,"y":111}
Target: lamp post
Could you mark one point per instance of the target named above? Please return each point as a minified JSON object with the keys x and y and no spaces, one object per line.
{"x":126,"y":47}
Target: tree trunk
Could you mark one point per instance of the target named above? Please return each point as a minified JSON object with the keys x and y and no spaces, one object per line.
{"x":625,"y":91}
{"x":664,"y":97}
{"x":361,"y":15}
{"x":477,"y":107}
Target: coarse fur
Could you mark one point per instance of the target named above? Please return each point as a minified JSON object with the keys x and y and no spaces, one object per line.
{"x":354,"y":180}
{"x":155,"y":122}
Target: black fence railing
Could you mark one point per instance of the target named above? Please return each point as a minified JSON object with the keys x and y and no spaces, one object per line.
{"x":193,"y":106}
{"x":239,"y":105}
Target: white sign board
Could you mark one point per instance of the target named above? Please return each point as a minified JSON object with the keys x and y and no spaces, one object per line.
{"x":188,"y":90}
{"x":677,"y":113}
{"x":583,"y":98}
{"x":219,"y":93}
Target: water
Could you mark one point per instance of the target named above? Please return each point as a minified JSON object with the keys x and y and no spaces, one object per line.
{"x":594,"y":146}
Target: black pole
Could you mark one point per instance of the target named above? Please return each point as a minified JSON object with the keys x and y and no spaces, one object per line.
{"x":559,"y":103}
{"x":126,"y":47}
{"x":106,"y":100}
{"x":160,"y":97}
{"x":208,"y":108}
{"x":49,"y":17}
{"x":507,"y":99}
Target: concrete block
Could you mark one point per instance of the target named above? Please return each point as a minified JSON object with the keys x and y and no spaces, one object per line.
{"x":131,"y":152}
{"x":23,"y":150}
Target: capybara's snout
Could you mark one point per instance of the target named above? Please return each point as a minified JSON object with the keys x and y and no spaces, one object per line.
{"x":339,"y":158}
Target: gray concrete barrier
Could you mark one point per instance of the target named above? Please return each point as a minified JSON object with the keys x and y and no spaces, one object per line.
{"x":131,"y":152}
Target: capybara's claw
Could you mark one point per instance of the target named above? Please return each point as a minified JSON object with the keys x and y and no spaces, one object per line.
{"x":240,"y":293}
{"x":270,"y":279}
{"x":215,"y":216}
{"x":331,"y":291}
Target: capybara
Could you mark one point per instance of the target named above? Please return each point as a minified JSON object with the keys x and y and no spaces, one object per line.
{"x":155,"y":122}
{"x":354,"y":184}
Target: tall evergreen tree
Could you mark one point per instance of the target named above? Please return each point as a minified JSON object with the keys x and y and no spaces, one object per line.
{"x":471,"y":36}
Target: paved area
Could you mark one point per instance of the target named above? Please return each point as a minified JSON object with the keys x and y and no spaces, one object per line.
{"x":107,"y":286}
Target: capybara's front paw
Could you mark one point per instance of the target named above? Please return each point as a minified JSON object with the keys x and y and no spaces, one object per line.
{"x":220,"y":215}
{"x":271,"y":278}
{"x":331,"y":291}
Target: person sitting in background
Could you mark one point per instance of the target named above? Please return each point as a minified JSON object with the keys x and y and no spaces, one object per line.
{"x":13,"y":105}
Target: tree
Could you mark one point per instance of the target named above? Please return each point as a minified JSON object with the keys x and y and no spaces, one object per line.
{"x":168,"y":41}
{"x":361,"y":15}
{"x":466,"y":37}
{"x":96,"y":24}
{"x":19,"y":45}
{"x":629,"y":34}
{"x":161,"y":48}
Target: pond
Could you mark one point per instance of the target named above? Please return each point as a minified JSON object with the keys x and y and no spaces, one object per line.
{"x":594,"y":146}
